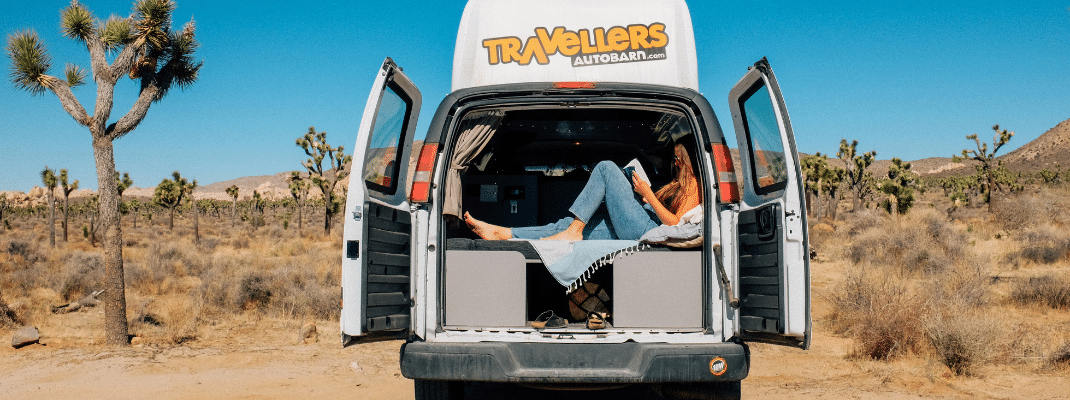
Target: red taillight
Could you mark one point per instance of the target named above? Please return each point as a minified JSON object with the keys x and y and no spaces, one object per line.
{"x":727,"y":186}
{"x":573,"y":85}
{"x":421,"y":180}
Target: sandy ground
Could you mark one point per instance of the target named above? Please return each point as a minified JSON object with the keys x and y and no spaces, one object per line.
{"x":255,"y":358}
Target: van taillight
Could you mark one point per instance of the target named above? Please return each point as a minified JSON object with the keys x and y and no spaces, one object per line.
{"x":727,"y":186}
{"x":421,"y":180}
{"x":573,"y":85}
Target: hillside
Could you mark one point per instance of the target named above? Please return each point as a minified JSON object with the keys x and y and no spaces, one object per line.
{"x":1049,"y":151}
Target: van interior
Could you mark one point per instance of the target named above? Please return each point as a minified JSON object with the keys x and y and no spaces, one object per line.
{"x":524,"y":167}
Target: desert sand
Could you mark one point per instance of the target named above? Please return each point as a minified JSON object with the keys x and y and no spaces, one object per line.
{"x":256,"y":357}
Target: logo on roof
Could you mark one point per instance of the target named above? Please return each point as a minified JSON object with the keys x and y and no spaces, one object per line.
{"x":585,"y":47}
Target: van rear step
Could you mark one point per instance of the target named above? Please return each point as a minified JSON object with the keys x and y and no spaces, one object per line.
{"x":575,"y":363}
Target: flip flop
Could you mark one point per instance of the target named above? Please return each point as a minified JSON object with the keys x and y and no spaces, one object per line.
{"x":548,"y":320}
{"x":596,"y":320}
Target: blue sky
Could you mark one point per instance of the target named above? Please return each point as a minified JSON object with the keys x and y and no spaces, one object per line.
{"x":907,"y":79}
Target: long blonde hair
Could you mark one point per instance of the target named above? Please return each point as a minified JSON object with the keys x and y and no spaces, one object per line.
{"x":674,"y":193}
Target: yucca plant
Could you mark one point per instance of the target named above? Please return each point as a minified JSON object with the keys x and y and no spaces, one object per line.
{"x":994,"y":176}
{"x":232,"y":191}
{"x":142,"y":46}
{"x":315,"y":146}
{"x":67,"y":188}
{"x":188,"y":189}
{"x":299,"y":190}
{"x":48,"y":178}
{"x":858,"y":177}
{"x":169,"y":193}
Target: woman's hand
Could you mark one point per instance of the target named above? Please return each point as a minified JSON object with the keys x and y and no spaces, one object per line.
{"x":642,"y":188}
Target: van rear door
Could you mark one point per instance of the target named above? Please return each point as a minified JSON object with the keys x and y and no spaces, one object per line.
{"x":376,"y":276}
{"x":773,"y":267}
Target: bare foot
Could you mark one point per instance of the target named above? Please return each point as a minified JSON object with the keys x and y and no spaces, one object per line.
{"x":573,"y":233}
{"x":567,"y":234}
{"x":487,"y":231}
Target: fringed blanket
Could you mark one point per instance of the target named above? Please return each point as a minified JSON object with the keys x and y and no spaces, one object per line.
{"x":572,"y":263}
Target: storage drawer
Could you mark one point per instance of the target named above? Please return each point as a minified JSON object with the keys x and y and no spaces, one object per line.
{"x":658,"y":290}
{"x":485,"y":288}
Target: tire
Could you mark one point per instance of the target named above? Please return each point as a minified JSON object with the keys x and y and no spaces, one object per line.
{"x":438,"y":390}
{"x":703,"y":391}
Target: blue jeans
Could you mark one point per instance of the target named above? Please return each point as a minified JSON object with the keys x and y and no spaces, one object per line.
{"x":625,"y":215}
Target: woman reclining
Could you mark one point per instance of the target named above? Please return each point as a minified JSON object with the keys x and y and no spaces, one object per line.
{"x":625,"y":217}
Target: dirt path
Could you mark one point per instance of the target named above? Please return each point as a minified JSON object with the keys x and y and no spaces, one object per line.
{"x":370,"y":371}
{"x":257,"y":359}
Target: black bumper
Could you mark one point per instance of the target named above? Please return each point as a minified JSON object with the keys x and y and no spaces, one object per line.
{"x":574,"y":362}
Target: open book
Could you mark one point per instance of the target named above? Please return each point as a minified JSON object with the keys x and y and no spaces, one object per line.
{"x":635,"y":166}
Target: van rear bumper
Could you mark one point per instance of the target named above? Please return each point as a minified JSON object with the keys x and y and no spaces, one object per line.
{"x":575,"y":362}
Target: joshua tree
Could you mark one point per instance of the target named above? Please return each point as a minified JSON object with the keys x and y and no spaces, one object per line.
{"x":299,"y":190}
{"x":989,"y":169}
{"x":257,"y":216}
{"x":959,"y":189}
{"x":822,"y":185}
{"x":169,"y":193}
{"x":133,"y":206}
{"x":48,"y":177}
{"x":858,"y":178}
{"x":1049,"y":176}
{"x":121,"y":184}
{"x":232,"y":191}
{"x":66,"y":189}
{"x":899,"y":187}
{"x":316,"y":147}
{"x":3,"y":206}
{"x":92,"y":207}
{"x":188,"y":189}
{"x":145,"y":48}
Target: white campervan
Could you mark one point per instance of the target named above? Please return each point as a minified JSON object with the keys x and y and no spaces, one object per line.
{"x":542,"y":92}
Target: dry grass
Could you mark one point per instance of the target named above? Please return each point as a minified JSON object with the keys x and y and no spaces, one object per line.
{"x":922,"y":286}
{"x":879,"y":311}
{"x":922,"y":241}
{"x":963,"y":338}
{"x":177,"y":287}
{"x":1048,"y":290}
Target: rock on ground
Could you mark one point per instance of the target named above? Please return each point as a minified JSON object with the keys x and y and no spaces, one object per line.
{"x":25,"y":336}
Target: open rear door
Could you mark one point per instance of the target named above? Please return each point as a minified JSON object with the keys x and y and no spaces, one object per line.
{"x":774,"y":270}
{"x":376,"y":275}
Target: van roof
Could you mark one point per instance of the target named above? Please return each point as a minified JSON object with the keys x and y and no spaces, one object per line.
{"x":631,"y":41}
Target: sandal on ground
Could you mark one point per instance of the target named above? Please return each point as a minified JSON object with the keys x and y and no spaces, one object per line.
{"x":596,"y":320}
{"x":548,"y":320}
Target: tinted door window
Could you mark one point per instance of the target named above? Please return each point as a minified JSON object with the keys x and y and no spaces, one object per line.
{"x":381,"y":160}
{"x":769,"y":169}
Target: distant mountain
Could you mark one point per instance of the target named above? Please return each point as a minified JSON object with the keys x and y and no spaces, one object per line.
{"x":1049,"y":151}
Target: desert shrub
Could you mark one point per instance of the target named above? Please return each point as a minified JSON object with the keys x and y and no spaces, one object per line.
{"x":85,"y":273}
{"x":299,"y":292}
{"x":1047,"y":290}
{"x":864,"y":220}
{"x":181,"y":320}
{"x":922,"y":241}
{"x":240,"y":242}
{"x":1061,"y":358}
{"x":962,"y":339}
{"x":1044,"y":245}
{"x":24,"y":250}
{"x":8,"y":316}
{"x":255,"y":291}
{"x":207,"y":245}
{"x":1022,"y":211}
{"x":143,"y":279}
{"x":165,"y":256}
{"x":878,"y":311}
